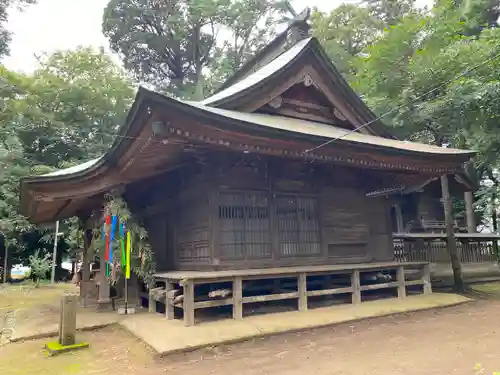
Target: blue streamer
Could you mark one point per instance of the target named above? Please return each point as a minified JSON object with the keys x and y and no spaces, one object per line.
{"x":112,"y":236}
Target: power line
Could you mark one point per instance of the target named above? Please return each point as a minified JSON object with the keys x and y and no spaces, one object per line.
{"x":167,"y":141}
{"x":464,"y":73}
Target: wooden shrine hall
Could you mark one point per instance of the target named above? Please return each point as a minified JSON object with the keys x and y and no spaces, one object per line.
{"x":279,"y":175}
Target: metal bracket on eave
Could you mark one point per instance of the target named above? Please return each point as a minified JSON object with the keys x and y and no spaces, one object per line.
{"x":385,"y":192}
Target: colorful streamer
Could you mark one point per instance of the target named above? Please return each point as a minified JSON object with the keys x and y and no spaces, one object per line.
{"x":122,"y":243}
{"x":106,"y":252}
{"x":127,"y":257}
{"x":112,"y":237}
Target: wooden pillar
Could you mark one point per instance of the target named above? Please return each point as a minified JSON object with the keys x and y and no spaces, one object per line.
{"x":302,"y":283}
{"x":356,"y":287}
{"x":151,"y":300}
{"x":103,"y":299}
{"x":401,"y":282}
{"x":450,"y":236}
{"x":427,"y":279}
{"x":237,"y":298}
{"x":469,"y":212}
{"x":188,"y":303}
{"x":85,"y":281}
{"x":67,"y":323}
{"x":169,"y":298}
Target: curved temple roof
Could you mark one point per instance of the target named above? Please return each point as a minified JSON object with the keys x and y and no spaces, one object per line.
{"x":147,"y":101}
{"x":59,"y":194}
{"x":74,"y":169}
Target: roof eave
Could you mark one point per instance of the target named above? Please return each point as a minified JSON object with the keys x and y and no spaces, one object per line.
{"x":133,"y":126}
{"x":107,"y":160}
{"x":464,"y":155}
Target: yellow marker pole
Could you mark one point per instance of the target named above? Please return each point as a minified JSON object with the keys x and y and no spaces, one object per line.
{"x":129,"y":251}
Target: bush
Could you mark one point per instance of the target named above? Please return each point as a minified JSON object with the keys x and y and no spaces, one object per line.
{"x":40,"y":266}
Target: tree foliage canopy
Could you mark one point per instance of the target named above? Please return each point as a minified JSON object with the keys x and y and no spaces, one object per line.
{"x":174,"y":45}
{"x":65,"y":112}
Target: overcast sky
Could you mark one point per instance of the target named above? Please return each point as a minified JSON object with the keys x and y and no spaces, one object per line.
{"x":52,"y":25}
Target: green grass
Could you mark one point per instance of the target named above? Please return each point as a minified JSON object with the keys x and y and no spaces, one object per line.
{"x":25,"y":295}
{"x":490,"y":289}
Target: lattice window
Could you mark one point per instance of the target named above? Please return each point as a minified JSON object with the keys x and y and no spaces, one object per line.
{"x":193,"y":231}
{"x":298,"y":226}
{"x":244,"y":226}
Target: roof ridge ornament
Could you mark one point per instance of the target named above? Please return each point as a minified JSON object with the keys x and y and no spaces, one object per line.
{"x":298,"y":27}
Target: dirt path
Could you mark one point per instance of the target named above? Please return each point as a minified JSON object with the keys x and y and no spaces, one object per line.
{"x":440,"y":342}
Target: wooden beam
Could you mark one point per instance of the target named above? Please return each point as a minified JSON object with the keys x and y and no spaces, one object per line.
{"x":66,"y":203}
{"x":392,"y":284}
{"x":270,"y":297}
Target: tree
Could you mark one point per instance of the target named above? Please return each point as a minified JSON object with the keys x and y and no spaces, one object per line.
{"x":66,"y":112}
{"x":5,"y":35}
{"x":345,"y":32}
{"x":73,"y":106}
{"x":173,"y":44}
{"x":390,"y":12}
{"x":476,"y":15}
{"x":415,"y":72}
{"x":349,"y":29}
{"x":40,"y":266}
{"x":250,"y":25}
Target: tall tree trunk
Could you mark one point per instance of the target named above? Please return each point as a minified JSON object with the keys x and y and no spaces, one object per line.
{"x":493,"y":207}
{"x":469,"y":212}
{"x":198,"y":94}
{"x":494,"y":220}
{"x":451,"y":242}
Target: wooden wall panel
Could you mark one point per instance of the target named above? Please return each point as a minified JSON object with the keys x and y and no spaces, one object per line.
{"x":192,"y":230}
{"x":156,"y":226}
{"x":346,"y":231}
{"x":379,"y":216}
{"x":251,"y":213}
